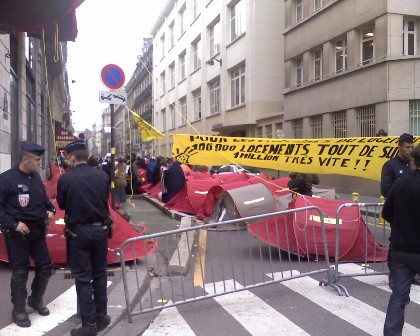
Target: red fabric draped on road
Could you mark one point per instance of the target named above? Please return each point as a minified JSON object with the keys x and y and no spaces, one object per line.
{"x":301,"y":233}
{"x":123,"y":230}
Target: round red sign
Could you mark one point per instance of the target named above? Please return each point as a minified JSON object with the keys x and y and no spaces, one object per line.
{"x":112,"y":76}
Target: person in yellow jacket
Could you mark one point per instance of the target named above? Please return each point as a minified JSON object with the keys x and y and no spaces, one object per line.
{"x":120,"y":180}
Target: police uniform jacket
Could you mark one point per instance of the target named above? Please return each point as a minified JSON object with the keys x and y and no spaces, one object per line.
{"x":83,"y":194}
{"x":392,"y":170}
{"x":402,"y":210}
{"x":22,"y":199}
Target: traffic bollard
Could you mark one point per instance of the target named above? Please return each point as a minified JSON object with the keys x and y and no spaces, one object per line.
{"x":355,"y":197}
{"x":381,"y":219}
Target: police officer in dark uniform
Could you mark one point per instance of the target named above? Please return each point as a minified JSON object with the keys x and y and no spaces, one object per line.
{"x":392,"y":170}
{"x":83,"y":194}
{"x":25,"y":211}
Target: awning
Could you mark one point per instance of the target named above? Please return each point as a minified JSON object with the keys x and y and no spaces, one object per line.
{"x":31,"y":16}
{"x":62,"y":136}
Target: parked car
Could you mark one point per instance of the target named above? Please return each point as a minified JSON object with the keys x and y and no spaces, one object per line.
{"x":230,"y":168}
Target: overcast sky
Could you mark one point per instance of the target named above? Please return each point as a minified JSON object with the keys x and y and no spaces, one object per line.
{"x":109,"y":31}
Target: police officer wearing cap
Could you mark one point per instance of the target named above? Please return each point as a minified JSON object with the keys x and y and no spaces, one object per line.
{"x":392,"y":170}
{"x":83,"y":194}
{"x":25,"y":211}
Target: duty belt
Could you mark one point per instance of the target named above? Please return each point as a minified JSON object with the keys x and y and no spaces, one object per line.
{"x":96,"y":224}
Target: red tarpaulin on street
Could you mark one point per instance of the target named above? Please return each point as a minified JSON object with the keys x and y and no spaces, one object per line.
{"x":123,"y":230}
{"x":301,"y":234}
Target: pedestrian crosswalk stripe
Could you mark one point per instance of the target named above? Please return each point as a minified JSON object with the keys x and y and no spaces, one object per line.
{"x":169,"y":322}
{"x":61,"y":309}
{"x":245,"y":306}
{"x":358,"y":313}
{"x":379,"y":281}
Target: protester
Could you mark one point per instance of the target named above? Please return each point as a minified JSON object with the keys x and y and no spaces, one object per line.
{"x":134,"y":175}
{"x":83,"y":194}
{"x":120,"y":180}
{"x":151,"y":165}
{"x":157,"y":171}
{"x":164,"y":165}
{"x":402,"y":210}
{"x":25,"y":211}
{"x":397,"y":166}
{"x":302,"y":183}
{"x":174,"y":180}
{"x":392,"y":170}
{"x":93,"y":161}
{"x":107,"y":169}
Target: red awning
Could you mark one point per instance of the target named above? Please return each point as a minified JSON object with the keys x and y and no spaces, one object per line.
{"x":31,"y":16}
{"x":62,"y":136}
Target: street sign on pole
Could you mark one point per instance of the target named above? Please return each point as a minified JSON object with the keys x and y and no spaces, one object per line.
{"x":113,"y":97}
{"x":112,"y":76}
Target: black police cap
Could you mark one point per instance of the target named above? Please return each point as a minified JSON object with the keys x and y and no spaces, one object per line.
{"x":75,"y":146}
{"x":33,"y":148}
{"x":407,"y":138}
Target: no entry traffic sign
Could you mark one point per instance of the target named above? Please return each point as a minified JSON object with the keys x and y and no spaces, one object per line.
{"x":112,"y":76}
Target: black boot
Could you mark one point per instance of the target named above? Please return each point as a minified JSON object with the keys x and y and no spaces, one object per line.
{"x":87,"y":329}
{"x":19,"y":293}
{"x":102,"y":321}
{"x":39,"y":286}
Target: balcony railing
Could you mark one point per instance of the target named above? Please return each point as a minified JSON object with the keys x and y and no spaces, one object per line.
{"x":147,"y":92}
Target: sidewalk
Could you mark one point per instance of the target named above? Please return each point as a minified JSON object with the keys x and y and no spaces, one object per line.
{"x":150,"y":212}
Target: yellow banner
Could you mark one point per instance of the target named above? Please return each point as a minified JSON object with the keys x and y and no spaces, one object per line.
{"x":147,"y":131}
{"x":362,"y":157}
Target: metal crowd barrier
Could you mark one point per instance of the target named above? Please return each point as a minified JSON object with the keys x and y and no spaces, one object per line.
{"x":234,"y":259}
{"x":376,"y":265}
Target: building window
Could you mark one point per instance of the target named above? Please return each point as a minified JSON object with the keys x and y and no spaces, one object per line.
{"x":172,"y":110}
{"x":197,"y":105}
{"x":339,"y":122}
{"x":409,"y":37}
{"x":318,"y":64}
{"x":237,"y":19}
{"x":269,"y":131}
{"x":182,"y":20}
{"x":316,"y":125}
{"x":163,"y":113}
{"x":317,"y":4}
{"x":195,"y":9}
{"x":197,"y":54}
{"x":365,"y":117}
{"x":214,"y":39}
{"x":259,"y":132}
{"x":183,"y":103}
{"x":172,"y":75}
{"x":415,"y":117}
{"x":172,"y":34}
{"x":367,"y":45}
{"x":340,"y":55}
{"x":162,"y":46}
{"x":182,"y":69}
{"x":162,"y":83}
{"x":297,"y":127}
{"x":299,"y":10}
{"x":215,"y":97}
{"x":238,"y":86}
{"x":29,"y":51}
{"x":299,"y":72}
